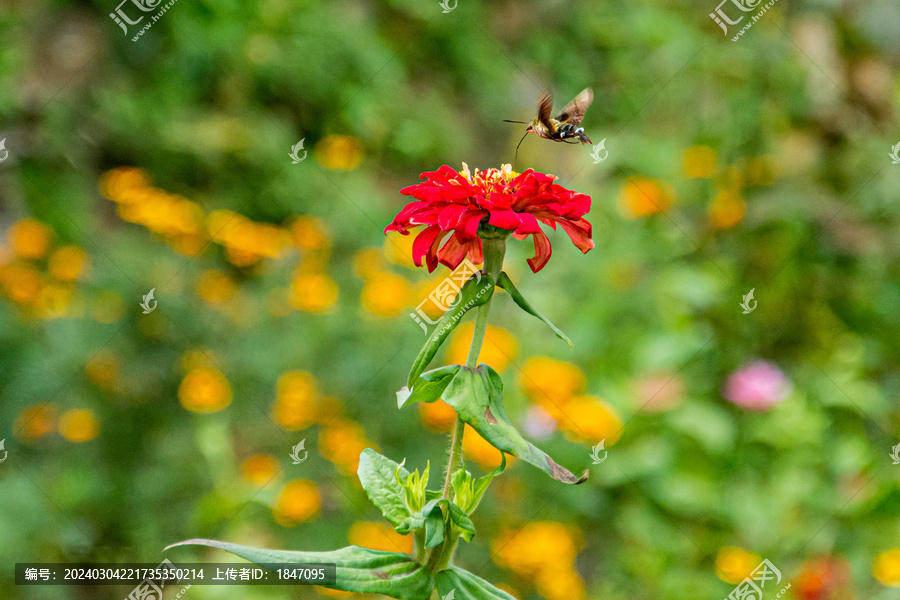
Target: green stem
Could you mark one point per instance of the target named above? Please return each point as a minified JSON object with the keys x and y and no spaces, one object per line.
{"x":494,"y":250}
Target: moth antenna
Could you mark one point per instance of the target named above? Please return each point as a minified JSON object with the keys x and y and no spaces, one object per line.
{"x":519,"y":122}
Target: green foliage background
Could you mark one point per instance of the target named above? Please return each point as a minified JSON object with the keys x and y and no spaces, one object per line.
{"x":210,"y":101}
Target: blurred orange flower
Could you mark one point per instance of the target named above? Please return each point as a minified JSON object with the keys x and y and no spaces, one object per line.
{"x":497,"y":350}
{"x":339,"y":152}
{"x":298,"y":501}
{"x":313,"y":293}
{"x":481,"y":451}
{"x":36,"y":421}
{"x":216,"y":287}
{"x":886,"y":568}
{"x":204,"y":390}
{"x":379,"y":536}
{"x":544,"y":553}
{"x":727,"y":209}
{"x":29,"y":238}
{"x":341,"y":442}
{"x":551,"y":383}
{"x":589,"y":419}
{"x":296,"y":400}
{"x":79,"y":425}
{"x":20,"y":283}
{"x":309,"y":233}
{"x":259,"y":469}
{"x":438,"y":417}
{"x":642,"y":197}
{"x":385,"y":294}
{"x":68,"y":263}
{"x":734,"y":564}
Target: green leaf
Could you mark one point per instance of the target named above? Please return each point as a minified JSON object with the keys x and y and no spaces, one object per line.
{"x":474,"y":293}
{"x":434,"y":528}
{"x":428,"y":387}
{"x":358,"y":569}
{"x":378,"y":475}
{"x":466,"y":586}
{"x":413,"y":522}
{"x":506,"y":283}
{"x":477,"y":396}
{"x":462,"y":521}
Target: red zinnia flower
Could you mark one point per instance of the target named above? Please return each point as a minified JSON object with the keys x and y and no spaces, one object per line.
{"x":454,"y":204}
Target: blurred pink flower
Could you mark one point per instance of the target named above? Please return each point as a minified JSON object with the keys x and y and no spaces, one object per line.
{"x":757,"y":386}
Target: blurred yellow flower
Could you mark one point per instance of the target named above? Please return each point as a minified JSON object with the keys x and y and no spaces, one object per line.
{"x":367,"y":263}
{"x":733,"y":564}
{"x":259,"y":469}
{"x":379,"y":536}
{"x":29,"y":238}
{"x":339,"y":152}
{"x":246,"y":242}
{"x":296,"y":400}
{"x":216,"y":287}
{"x":204,"y":390}
{"x":398,"y":248}
{"x":437,"y":417}
{"x":481,"y":451}
{"x":886,"y":568}
{"x":385,"y":295}
{"x":313,"y":293}
{"x":727,"y":209}
{"x":551,"y":383}
{"x":544,"y":553}
{"x":642,"y":197}
{"x":341,"y":442}
{"x":589,"y":419}
{"x":79,"y":425}
{"x":53,"y":300}
{"x":68,"y":263}
{"x":309,"y":233}
{"x":114,"y":184}
{"x":298,"y":501}
{"x":36,"y":421}
{"x":699,"y":162}
{"x":20,"y":283}
{"x":498,"y":349}
{"x":103,"y":370}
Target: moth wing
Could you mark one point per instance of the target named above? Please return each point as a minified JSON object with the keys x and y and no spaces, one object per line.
{"x":574,"y":111}
{"x":545,"y":105}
